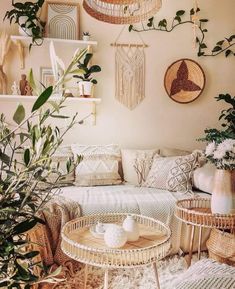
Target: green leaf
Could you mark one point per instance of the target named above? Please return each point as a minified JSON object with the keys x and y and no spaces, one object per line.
{"x":27,"y":156}
{"x":216,"y":49}
{"x":203,"y":45}
{"x":231,"y":38}
{"x":19,"y":114}
{"x":31,"y":80}
{"x":203,"y":20}
{"x":87,"y":59}
{"x":220,"y":42}
{"x":192,"y":12}
{"x":59,"y":116}
{"x":25,"y":226}
{"x":130,"y":28}
{"x":31,"y":254}
{"x":200,"y":53}
{"x":42,"y":98}
{"x":228,"y":52}
{"x":177,"y":18}
{"x":4,"y":158}
{"x":180,"y":12}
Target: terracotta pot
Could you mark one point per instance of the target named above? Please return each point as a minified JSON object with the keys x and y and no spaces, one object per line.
{"x":223,"y":192}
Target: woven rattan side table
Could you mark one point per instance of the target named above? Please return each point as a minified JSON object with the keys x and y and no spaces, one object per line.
{"x":197,"y":212}
{"x":79,"y":244}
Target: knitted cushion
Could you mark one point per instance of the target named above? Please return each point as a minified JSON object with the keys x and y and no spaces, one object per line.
{"x":99,"y":166}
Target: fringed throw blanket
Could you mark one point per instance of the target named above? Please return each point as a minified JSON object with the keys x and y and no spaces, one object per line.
{"x":47,"y":238}
{"x":130,"y":75}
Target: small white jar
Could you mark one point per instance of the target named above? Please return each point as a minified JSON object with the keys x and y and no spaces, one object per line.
{"x":132,"y":229}
{"x":115,"y":236}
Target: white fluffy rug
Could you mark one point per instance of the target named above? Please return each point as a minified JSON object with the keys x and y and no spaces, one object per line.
{"x":142,"y":278}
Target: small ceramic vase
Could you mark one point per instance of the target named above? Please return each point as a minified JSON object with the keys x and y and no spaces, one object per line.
{"x":223,"y":192}
{"x":132,"y":229}
{"x":100,"y":228}
{"x":115,"y":236}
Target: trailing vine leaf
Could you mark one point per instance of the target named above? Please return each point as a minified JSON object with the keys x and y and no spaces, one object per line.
{"x":179,"y":19}
{"x":42,"y":98}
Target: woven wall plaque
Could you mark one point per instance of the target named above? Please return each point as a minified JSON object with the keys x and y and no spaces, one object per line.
{"x":184,"y":80}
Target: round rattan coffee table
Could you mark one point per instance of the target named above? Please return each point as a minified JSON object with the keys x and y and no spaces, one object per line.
{"x":197,"y":212}
{"x":79,"y":244}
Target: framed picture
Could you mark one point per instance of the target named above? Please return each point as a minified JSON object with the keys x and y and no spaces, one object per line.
{"x":47,"y":77}
{"x":62,"y":19}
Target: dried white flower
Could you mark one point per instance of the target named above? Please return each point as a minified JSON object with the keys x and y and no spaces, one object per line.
{"x":210,"y":149}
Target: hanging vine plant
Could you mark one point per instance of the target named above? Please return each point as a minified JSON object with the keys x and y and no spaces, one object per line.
{"x":222,"y":46}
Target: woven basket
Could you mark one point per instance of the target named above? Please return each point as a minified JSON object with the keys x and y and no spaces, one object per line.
{"x":221,"y":247}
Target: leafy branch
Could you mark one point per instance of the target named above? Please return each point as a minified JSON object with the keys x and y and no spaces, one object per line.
{"x":223,"y":46}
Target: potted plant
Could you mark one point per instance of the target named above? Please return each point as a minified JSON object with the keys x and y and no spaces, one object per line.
{"x":26,"y":152}
{"x":86,"y":36}
{"x":221,"y":152}
{"x":26,"y":15}
{"x":86,"y":82}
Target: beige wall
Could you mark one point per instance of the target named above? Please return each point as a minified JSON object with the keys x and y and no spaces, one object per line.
{"x":157,"y":121}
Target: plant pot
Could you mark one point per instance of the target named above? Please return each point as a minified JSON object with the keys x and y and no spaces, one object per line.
{"x":26,"y":31}
{"x":86,"y":88}
{"x":86,"y":38}
{"x":223,"y":192}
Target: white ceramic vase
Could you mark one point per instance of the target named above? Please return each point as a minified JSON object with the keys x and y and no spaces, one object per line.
{"x":132,"y":229}
{"x":85,"y":88}
{"x":115,"y":236}
{"x":223,"y":192}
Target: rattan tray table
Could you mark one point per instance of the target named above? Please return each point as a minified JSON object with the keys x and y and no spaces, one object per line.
{"x":197,"y":212}
{"x":79,"y":244}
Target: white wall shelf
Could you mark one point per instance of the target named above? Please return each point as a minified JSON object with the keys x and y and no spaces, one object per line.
{"x":58,"y":40}
{"x":92,"y":101}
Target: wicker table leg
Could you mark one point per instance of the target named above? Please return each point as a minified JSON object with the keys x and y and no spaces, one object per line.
{"x":85,"y":276}
{"x":106,"y":279}
{"x":199,"y":243}
{"x":191,"y":246}
{"x":156,"y":275}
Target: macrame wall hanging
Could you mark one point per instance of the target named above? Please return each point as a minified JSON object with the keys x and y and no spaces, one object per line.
{"x":129,"y":72}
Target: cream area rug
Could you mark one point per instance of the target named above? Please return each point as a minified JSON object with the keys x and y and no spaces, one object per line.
{"x":138,"y":278}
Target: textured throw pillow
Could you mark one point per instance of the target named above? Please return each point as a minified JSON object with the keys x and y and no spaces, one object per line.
{"x":172,"y":173}
{"x":99,"y":165}
{"x":136,"y":165}
{"x":203,"y":178}
{"x":59,"y":164}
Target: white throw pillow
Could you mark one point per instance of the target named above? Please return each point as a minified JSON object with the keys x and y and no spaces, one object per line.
{"x":203,"y":178}
{"x":99,"y":165}
{"x":136,"y":165}
{"x":59,"y":163}
{"x":172,"y":173}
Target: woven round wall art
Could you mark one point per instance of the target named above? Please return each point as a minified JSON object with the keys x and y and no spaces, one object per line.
{"x":184,"y":80}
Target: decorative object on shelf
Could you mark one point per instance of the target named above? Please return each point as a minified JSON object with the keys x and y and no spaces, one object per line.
{"x":23,"y":83}
{"x":122,"y":12}
{"x":132,"y":228}
{"x":98,"y":230}
{"x":20,"y":50}
{"x":15,"y":88}
{"x":223,"y":46}
{"x":129,"y":72}
{"x":62,"y":20}
{"x":5,"y":43}
{"x":115,"y":236}
{"x":84,"y":73}
{"x":28,"y":89}
{"x":184,"y":80}
{"x":47,"y":76}
{"x":27,"y":16}
{"x":221,"y":152}
{"x":86,"y":36}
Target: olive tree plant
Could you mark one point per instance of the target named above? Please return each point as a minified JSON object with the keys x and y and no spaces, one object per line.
{"x":25,"y":167}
